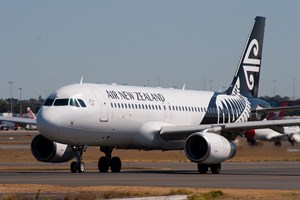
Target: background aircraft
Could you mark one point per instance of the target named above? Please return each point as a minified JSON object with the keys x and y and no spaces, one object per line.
{"x":10,"y":123}
{"x":290,"y":133}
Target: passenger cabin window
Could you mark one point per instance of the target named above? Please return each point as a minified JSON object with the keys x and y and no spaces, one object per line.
{"x":49,"y":102}
{"x":61,"y":102}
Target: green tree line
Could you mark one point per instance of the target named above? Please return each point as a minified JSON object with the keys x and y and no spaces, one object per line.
{"x":34,"y":104}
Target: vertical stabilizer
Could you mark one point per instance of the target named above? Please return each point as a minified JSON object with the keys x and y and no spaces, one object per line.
{"x":246,"y":79}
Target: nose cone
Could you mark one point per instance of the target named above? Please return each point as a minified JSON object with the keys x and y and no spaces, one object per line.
{"x":49,"y":122}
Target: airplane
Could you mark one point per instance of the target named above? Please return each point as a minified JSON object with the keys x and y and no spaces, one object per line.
{"x":291,"y":133}
{"x":202,"y":123}
{"x":7,"y":124}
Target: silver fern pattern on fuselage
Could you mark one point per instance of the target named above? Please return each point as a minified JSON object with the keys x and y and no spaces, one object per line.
{"x":238,"y":106}
{"x":228,"y":108}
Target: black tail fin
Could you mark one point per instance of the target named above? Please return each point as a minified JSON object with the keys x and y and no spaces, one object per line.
{"x":246,"y":79}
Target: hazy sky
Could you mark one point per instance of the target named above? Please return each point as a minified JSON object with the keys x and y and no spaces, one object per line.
{"x":47,"y":44}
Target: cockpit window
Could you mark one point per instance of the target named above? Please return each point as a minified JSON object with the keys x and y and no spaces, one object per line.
{"x":65,"y":102}
{"x":61,"y":102}
{"x":48,"y":102}
{"x":73,"y":102}
{"x":81,"y":103}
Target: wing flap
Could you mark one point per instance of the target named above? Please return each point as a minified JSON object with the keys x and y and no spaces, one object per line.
{"x":261,"y":124}
{"x":182,"y":132}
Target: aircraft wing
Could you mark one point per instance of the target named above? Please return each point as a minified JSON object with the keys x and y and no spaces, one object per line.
{"x":19,"y":120}
{"x":182,"y":132}
{"x":277,"y":109}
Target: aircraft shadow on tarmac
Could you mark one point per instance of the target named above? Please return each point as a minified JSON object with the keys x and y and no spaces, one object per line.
{"x":170,"y":172}
{"x":231,"y":173}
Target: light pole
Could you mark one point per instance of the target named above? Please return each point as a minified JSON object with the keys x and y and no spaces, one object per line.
{"x":11,"y":106}
{"x":294,"y":89}
{"x":20,"y":100}
{"x":274,"y":87}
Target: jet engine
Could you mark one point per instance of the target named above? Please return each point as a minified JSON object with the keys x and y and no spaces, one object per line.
{"x":48,"y":151}
{"x":208,"y":148}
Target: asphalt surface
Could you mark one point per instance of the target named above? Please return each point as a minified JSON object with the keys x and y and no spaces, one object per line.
{"x":244,"y":175}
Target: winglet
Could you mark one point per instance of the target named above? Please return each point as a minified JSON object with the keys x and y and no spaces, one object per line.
{"x":81,"y":80}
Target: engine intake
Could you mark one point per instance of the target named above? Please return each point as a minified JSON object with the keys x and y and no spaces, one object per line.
{"x":48,"y":151}
{"x":209,"y":148}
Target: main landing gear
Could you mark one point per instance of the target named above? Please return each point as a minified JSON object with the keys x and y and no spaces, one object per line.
{"x":107,"y":161}
{"x":214,"y":168}
{"x":78,"y":166}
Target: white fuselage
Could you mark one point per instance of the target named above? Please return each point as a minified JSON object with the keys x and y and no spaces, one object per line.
{"x":121,"y":116}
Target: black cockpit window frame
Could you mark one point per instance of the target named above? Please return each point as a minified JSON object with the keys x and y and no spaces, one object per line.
{"x":49,"y":102}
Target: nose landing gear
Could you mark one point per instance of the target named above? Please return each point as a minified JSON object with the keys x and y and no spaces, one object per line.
{"x":78,"y":166}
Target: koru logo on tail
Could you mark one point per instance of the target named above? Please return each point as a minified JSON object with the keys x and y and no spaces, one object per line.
{"x":251,"y":65}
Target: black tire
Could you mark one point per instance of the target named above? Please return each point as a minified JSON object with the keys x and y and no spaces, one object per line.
{"x":103,"y":165}
{"x":252,"y":142}
{"x":80,"y":167}
{"x":74,"y":167}
{"x":115,"y":164}
{"x":215,"y":168}
{"x":277,"y":143}
{"x":202,"y":168}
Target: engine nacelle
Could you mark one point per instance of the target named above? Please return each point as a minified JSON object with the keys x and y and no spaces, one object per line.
{"x":208,"y":148}
{"x":48,"y":151}
{"x":256,"y":106}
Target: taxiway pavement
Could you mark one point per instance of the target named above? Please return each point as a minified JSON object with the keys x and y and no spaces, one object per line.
{"x":244,"y":175}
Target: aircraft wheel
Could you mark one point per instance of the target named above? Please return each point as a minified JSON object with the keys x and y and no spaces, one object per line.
{"x":215,"y":169}
{"x":202,"y":168}
{"x":277,"y":143}
{"x":81,"y":167}
{"x":103,"y":164}
{"x":115,"y":164}
{"x":74,"y":167}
